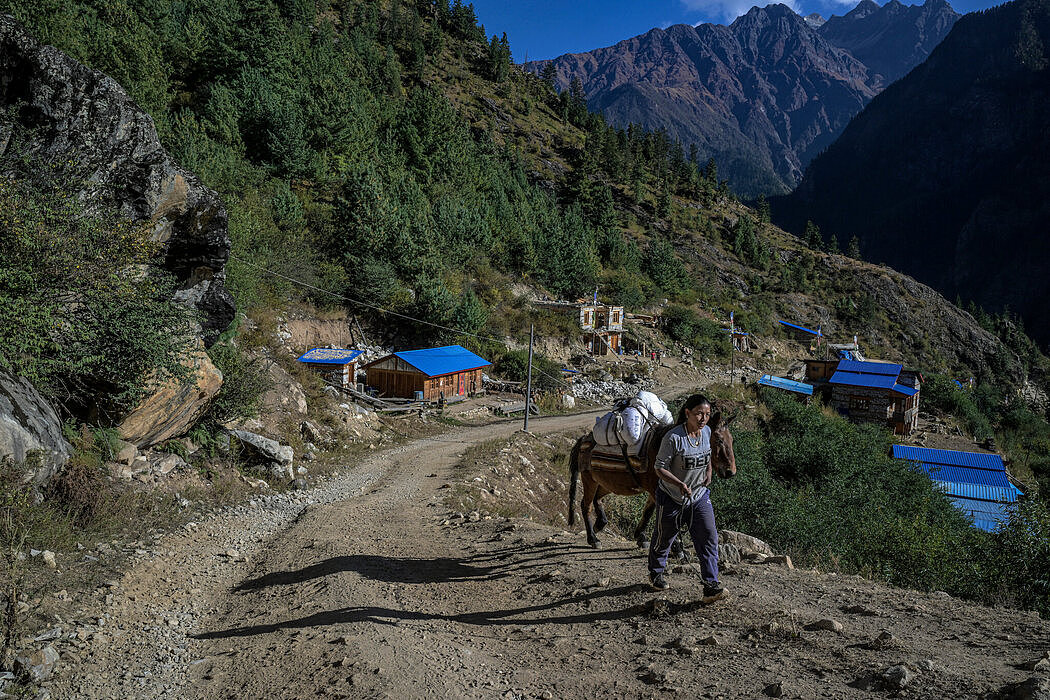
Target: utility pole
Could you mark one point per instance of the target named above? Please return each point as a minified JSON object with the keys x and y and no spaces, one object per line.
{"x":528,"y":383}
{"x":732,"y":349}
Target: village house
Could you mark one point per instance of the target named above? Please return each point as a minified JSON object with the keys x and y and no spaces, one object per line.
{"x":602,"y":325}
{"x":975,"y":482}
{"x":876,"y":392}
{"x":819,"y":371}
{"x":450,"y":372}
{"x":801,"y":390}
{"x":337,"y":366}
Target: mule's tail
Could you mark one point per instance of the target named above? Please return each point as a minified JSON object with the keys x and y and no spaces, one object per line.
{"x":574,"y":472}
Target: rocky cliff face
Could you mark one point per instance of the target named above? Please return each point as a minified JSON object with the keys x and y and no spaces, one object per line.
{"x":80,"y":116}
{"x":30,"y":431}
{"x":762,"y":96}
{"x":944,"y":175}
{"x":892,"y":39}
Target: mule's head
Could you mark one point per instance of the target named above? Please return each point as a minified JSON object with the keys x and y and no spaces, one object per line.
{"x":722,"y":457}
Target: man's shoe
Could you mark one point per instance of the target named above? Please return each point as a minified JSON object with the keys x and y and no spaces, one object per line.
{"x":713,"y":590}
{"x":660,"y":582}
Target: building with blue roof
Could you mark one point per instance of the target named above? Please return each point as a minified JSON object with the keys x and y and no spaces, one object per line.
{"x":336,"y":366}
{"x":800,"y":333}
{"x":431,"y":374}
{"x":800,"y":388}
{"x":975,"y":482}
{"x":876,"y":392}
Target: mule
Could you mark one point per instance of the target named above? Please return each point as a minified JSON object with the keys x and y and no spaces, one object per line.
{"x":598,"y":483}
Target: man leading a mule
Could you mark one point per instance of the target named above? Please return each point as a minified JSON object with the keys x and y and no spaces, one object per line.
{"x":683,"y":500}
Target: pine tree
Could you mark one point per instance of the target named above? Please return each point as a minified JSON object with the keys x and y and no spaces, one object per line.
{"x":499,"y":58}
{"x":812,"y":235}
{"x":549,"y":74}
{"x":853,"y":249}
{"x":763,"y":209}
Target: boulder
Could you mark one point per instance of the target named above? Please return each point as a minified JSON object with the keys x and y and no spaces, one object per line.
{"x":85,"y":119}
{"x":285,"y":398}
{"x":167,"y":463}
{"x":174,"y":405}
{"x":37,"y":666}
{"x":745,"y":544}
{"x":30,"y":430}
{"x":126,"y":453}
{"x":276,"y":458}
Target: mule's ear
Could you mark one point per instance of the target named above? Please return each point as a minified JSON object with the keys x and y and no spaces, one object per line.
{"x":714,"y":420}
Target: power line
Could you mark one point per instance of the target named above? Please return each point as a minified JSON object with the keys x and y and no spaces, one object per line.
{"x":387,"y":311}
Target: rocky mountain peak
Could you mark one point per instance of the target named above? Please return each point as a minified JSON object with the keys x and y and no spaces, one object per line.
{"x":814,"y":20}
{"x":763,"y":95}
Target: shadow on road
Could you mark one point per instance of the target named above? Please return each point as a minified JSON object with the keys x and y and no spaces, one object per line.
{"x":417,"y":570}
{"x":388,"y":616}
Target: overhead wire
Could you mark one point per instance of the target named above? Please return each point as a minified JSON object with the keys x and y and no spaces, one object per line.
{"x":388,"y":312}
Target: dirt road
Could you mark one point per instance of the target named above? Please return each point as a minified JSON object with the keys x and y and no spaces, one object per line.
{"x":375,"y":590}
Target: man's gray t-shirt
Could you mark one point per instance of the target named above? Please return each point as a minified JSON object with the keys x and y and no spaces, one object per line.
{"x":687,"y":458}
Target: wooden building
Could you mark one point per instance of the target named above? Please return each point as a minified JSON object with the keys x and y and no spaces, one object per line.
{"x":602,"y":325}
{"x":337,"y":366}
{"x":430,"y":374}
{"x":876,"y":392}
{"x":820,"y":370}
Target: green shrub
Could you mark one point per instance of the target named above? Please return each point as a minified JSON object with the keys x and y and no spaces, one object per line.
{"x":86,"y":312}
{"x":708,"y":338}
{"x":514,"y":366}
{"x":941,"y":392}
{"x":826,"y":491}
{"x":243,"y":384}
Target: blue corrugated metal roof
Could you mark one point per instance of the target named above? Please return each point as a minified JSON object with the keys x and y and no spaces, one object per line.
{"x":801,"y":328}
{"x":880,"y":368}
{"x":332,"y":356}
{"x":788,"y":384}
{"x":976,"y":460}
{"x":978,"y":492}
{"x":449,"y":359}
{"x":985,"y":516}
{"x":975,"y":482}
{"x":964,"y":475}
{"x":874,"y":375}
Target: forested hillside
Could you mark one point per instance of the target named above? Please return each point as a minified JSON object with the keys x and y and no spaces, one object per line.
{"x":345,"y":164}
{"x":955,"y":193}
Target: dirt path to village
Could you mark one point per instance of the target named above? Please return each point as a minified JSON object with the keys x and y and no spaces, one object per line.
{"x":367,"y":586}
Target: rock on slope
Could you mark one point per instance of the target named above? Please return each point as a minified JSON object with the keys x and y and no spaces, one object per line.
{"x":80,"y":116}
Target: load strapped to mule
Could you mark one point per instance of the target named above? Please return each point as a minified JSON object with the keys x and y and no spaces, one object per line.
{"x":620,"y":436}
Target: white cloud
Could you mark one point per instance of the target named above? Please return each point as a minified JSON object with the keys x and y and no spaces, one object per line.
{"x":728,"y":10}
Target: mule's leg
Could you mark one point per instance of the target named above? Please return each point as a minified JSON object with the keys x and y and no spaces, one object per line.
{"x":600,"y":520}
{"x":643,"y":523}
{"x":590,"y":487}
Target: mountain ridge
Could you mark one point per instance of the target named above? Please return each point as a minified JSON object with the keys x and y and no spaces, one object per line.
{"x":762,"y":96}
{"x":965,"y":174}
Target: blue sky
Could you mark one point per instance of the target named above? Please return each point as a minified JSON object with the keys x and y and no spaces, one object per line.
{"x":540,"y":29}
